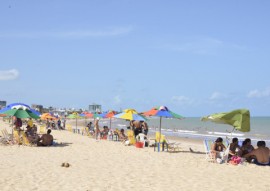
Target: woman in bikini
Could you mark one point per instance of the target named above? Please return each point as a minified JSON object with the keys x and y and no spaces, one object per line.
{"x":218,"y":148}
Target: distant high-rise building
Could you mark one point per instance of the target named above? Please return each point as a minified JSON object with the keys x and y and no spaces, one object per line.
{"x":94,"y":108}
{"x":37,"y":107}
{"x":3,"y":104}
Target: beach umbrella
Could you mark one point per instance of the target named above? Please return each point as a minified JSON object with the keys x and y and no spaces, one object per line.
{"x":110,"y":115}
{"x":46,"y":116}
{"x":161,"y":111}
{"x":19,"y":106}
{"x":76,"y":116}
{"x":239,"y":119}
{"x":21,"y":113}
{"x":130,"y":114}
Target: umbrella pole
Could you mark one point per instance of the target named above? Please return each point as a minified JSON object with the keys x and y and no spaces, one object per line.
{"x":110,"y":123}
{"x":76,"y":124}
{"x":12,"y":128}
{"x":159,"y":134}
{"x":159,"y":129}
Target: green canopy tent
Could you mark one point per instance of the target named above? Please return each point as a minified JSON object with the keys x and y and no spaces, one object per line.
{"x":239,"y":119}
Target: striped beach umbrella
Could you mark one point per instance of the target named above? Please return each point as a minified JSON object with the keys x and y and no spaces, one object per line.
{"x":162,"y":111}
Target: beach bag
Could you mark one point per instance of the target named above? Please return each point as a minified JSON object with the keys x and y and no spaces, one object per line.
{"x":235,"y":160}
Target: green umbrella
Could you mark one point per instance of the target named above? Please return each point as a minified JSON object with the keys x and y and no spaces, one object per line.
{"x":76,"y":116}
{"x":239,"y":119}
{"x":21,"y":113}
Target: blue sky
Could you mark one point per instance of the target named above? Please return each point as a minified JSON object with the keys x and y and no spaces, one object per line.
{"x":195,"y":57}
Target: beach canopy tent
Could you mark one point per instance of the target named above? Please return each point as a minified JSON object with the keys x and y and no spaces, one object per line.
{"x":130,"y":114}
{"x":161,"y":111}
{"x":239,"y":119}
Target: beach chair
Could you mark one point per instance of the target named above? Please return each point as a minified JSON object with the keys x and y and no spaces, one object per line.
{"x":6,"y":139}
{"x":160,"y":142}
{"x":172,"y":146}
{"x":25,"y":140}
{"x":208,"y":154}
{"x":69,"y":128}
{"x":131,"y":137}
{"x":42,"y":129}
{"x":87,"y":132}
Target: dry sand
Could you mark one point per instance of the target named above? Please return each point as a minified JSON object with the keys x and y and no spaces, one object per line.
{"x":108,"y":165}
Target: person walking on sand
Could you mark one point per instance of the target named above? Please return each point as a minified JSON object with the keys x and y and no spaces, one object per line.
{"x":97,"y":131}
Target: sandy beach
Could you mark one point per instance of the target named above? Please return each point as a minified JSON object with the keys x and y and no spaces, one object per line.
{"x":107,"y":165}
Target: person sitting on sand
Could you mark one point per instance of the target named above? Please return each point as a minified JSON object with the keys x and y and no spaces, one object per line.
{"x":261,"y":154}
{"x":46,"y":139}
{"x":122,"y":135}
{"x":90,"y":126}
{"x":218,"y":148}
{"x":246,"y":147}
{"x":104,"y":132}
{"x":234,"y":148}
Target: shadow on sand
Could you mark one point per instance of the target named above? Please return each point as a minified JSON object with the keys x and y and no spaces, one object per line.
{"x":190,"y":151}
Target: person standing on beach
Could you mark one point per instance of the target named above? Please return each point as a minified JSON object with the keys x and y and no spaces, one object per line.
{"x":18,"y":124}
{"x":97,"y":128}
{"x":137,"y":127}
{"x":145,"y":127}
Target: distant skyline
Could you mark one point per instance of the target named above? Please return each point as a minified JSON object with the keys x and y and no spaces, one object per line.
{"x":195,"y":57}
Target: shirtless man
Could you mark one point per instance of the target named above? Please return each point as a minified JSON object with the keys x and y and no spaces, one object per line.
{"x":145,"y":127}
{"x":46,"y":139}
{"x":137,"y":127}
{"x":262,"y":154}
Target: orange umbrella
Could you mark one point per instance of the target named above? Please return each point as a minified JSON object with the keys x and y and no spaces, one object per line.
{"x":46,"y":116}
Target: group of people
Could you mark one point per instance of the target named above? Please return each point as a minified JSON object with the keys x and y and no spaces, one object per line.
{"x":56,"y":125}
{"x":31,"y":133}
{"x":138,"y":127}
{"x":259,"y":156}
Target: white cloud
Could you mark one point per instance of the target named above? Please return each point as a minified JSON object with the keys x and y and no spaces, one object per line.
{"x":9,"y":74}
{"x":258,"y":93}
{"x":181,"y":100}
{"x":112,"y":31}
{"x":217,"y":96}
{"x":203,"y":46}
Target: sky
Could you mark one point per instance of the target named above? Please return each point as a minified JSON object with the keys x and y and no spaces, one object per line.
{"x":195,"y":57}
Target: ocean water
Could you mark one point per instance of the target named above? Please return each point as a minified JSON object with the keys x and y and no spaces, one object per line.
{"x":193,"y":127}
